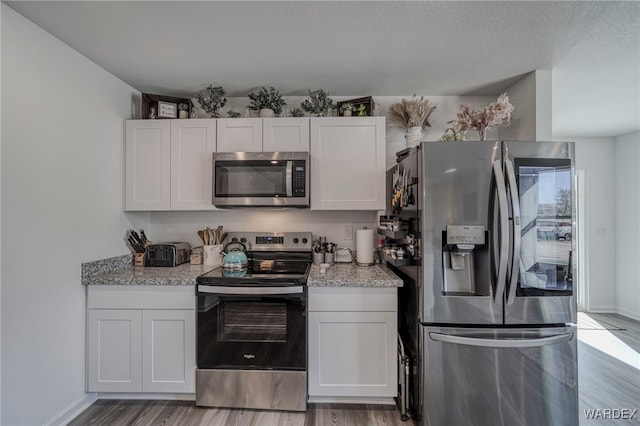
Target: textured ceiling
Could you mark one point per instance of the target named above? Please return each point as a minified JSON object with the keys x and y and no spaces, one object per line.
{"x":368,"y":48}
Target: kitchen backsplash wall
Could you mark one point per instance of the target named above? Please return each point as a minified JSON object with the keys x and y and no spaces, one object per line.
{"x":183,"y":226}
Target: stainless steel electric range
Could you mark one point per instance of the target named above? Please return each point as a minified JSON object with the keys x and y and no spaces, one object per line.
{"x":252,"y":326}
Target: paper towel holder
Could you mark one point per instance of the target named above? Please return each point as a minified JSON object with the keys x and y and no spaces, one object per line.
{"x":360,"y":263}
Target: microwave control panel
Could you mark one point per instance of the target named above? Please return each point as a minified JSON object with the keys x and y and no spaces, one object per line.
{"x":299,"y":178}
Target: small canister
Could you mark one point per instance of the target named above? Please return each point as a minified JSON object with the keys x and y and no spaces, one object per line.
{"x":318,"y":258}
{"x":330,"y":257}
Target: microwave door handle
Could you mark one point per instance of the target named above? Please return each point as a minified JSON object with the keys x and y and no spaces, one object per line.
{"x":503,"y":214}
{"x":516,"y":229}
{"x":289,"y":178}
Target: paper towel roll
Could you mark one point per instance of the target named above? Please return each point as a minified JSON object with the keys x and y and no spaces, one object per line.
{"x":364,"y":247}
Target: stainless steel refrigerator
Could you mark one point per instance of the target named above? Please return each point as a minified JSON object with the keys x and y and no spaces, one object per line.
{"x":488,"y":310}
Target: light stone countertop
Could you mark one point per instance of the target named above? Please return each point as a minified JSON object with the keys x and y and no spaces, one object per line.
{"x":120,"y":271}
{"x":352,"y":275}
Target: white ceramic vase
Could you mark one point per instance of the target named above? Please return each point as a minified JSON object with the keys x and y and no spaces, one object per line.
{"x":413,"y":136}
{"x":266,"y":113}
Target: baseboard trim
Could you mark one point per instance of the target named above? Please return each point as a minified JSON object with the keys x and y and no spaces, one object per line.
{"x":629,"y":314}
{"x":602,"y":309}
{"x":157,"y":396}
{"x":72,"y":410}
{"x":351,"y":400}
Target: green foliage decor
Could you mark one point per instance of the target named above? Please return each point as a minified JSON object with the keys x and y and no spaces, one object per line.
{"x":296,"y":112}
{"x":267,"y":98}
{"x":212,"y":99}
{"x":319,"y":103}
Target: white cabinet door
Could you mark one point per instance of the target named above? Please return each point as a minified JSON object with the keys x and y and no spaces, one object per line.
{"x":348,"y":163}
{"x":168,"y":351}
{"x":239,"y":135}
{"x":147,"y":165}
{"x":353,"y":354}
{"x":285,"y":134}
{"x":192,"y":144}
{"x":114,"y":350}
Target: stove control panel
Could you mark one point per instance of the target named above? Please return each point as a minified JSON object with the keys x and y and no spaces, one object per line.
{"x":273,"y":241}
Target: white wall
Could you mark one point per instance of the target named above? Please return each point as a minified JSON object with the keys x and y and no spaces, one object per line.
{"x":597,"y":157}
{"x":62,"y":157}
{"x":531,"y":119}
{"x":183,"y":226}
{"x":627,"y":184}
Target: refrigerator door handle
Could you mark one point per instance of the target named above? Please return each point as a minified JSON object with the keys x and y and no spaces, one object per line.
{"x":504,"y":230}
{"x":504,"y":343}
{"x":516,"y":231}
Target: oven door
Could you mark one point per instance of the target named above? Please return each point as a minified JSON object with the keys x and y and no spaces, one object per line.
{"x":251,"y":327}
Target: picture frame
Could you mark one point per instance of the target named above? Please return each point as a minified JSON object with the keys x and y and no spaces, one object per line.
{"x":366,"y":101}
{"x":154,"y":101}
{"x":167,"y":109}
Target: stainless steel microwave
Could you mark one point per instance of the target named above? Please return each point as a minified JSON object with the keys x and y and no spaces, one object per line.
{"x":261,"y":179}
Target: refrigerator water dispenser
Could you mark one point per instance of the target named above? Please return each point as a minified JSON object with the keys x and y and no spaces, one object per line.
{"x":461,"y":243}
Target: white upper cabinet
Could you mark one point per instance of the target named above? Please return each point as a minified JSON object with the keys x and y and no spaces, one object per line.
{"x":192,"y":144}
{"x":348,"y":163}
{"x":168,"y":164}
{"x":285,"y":134}
{"x":263,"y":135}
{"x":147,"y":162}
{"x":239,"y":135}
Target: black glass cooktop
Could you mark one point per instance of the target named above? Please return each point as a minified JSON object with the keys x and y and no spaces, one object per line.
{"x":261,"y":272}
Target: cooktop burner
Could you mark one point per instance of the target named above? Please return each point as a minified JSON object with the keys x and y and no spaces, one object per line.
{"x":274,"y":259}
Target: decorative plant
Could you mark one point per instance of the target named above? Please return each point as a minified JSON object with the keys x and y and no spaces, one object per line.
{"x":296,"y":112}
{"x":496,"y":114}
{"x":346,"y":107}
{"x":212,"y":99}
{"x":233,"y":114}
{"x":361,"y":110}
{"x":267,"y":98}
{"x":319,"y":103}
{"x":451,"y":135}
{"x":183,"y":106}
{"x":411,"y":113}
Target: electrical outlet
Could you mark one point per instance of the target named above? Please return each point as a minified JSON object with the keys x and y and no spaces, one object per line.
{"x":348,"y":233}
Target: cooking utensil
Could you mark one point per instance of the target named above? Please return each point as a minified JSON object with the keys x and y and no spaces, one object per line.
{"x":202,"y":237}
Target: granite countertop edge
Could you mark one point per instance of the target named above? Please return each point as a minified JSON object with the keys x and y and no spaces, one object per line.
{"x":351,"y":275}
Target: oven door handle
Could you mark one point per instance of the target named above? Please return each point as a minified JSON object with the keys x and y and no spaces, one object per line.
{"x":216,"y":289}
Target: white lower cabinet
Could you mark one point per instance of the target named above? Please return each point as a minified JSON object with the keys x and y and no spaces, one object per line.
{"x":141,"y":350}
{"x":168,"y":351}
{"x":115,"y":350}
{"x":352,"y":343}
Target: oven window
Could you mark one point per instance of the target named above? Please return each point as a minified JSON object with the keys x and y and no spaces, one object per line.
{"x":252,"y":322}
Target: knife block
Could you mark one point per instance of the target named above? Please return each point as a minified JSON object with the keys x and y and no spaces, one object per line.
{"x":138,"y":259}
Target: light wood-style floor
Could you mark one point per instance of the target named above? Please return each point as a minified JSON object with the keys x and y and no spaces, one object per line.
{"x":608,"y":374}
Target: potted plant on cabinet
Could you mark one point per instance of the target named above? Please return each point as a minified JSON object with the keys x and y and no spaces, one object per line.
{"x":346,"y":109}
{"x":183,"y":110}
{"x":212,"y":99}
{"x":319,"y":103}
{"x":268,"y":101}
{"x":296,"y":112}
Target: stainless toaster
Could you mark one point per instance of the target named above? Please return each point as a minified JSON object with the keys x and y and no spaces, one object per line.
{"x":167,"y":254}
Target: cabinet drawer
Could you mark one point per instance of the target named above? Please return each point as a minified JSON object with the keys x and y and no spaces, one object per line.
{"x":140,"y":297}
{"x":353,"y":299}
